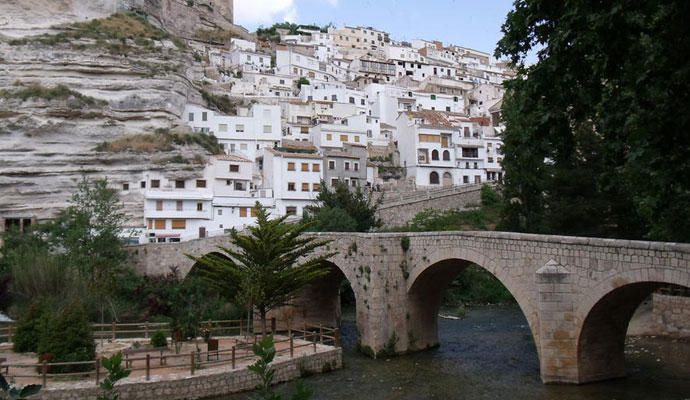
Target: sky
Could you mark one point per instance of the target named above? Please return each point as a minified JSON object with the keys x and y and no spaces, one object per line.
{"x":470,"y":23}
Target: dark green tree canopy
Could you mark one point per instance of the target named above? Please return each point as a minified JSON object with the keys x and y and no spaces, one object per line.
{"x":596,"y":139}
{"x":344,"y":209}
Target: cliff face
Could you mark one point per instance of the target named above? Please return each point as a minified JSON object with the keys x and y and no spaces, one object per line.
{"x":62,"y":96}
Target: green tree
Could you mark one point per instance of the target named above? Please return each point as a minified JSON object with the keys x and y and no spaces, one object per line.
{"x":302,"y":81}
{"x":89,"y":231}
{"x":267,"y":267}
{"x":115,"y":373}
{"x":596,"y":130}
{"x":359,"y":206}
{"x":69,"y":338}
{"x":266,"y":351}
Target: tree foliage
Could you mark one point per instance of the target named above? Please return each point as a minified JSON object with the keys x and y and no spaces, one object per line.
{"x":115,"y":373}
{"x":596,"y":136}
{"x":266,"y":267}
{"x":344,"y":209}
{"x":266,"y":351}
{"x":68,"y":338}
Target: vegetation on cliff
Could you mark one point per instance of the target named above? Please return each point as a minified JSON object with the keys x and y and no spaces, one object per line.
{"x":59,"y":92}
{"x":119,"y":33}
{"x":161,"y":141}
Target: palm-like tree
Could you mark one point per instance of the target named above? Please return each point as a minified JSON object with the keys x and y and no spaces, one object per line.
{"x":266,"y":267}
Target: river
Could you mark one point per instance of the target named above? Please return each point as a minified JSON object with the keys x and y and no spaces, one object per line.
{"x":490,"y":355}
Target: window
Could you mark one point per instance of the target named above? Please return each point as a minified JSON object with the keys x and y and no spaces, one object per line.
{"x":356,"y":166}
{"x":329,"y":136}
{"x":433,"y":96}
{"x":334,"y":97}
{"x":179,"y":184}
{"x":125,"y":186}
{"x":316,"y":187}
{"x":331,"y":164}
{"x":268,"y":128}
{"x":159,"y":205}
{"x":455,"y":99}
{"x":354,"y":182}
{"x":220,"y":211}
{"x":429,"y":138}
{"x":243,"y":212}
{"x":234,"y":168}
{"x":477,"y":179}
{"x":448,"y":109}
{"x":179,"y":205}
{"x":347,"y":165}
{"x":316,"y":167}
{"x":352,"y":100}
{"x":490,"y":159}
{"x":334,"y":181}
{"x":200,"y":183}
{"x":179,"y":224}
{"x":204,"y":116}
{"x":465,"y":179}
{"x":143,"y":184}
{"x":305,"y":187}
{"x":356,"y":138}
{"x":200,"y":206}
{"x":191,"y":117}
{"x":470,"y":153}
{"x":363,"y":102}
{"x":305,"y":167}
{"x":239,"y":187}
{"x":446,"y":155}
{"x":243,"y":146}
{"x":343,"y":138}
{"x":253,"y":212}
{"x":155,"y":184}
{"x":434,"y":155}
{"x":291,"y":166}
{"x":434,"y":178}
{"x":239,"y":128}
{"x":291,"y":187}
{"x":159,"y":224}
{"x":290,"y":210}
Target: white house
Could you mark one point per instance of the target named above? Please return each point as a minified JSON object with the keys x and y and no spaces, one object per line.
{"x":295,"y":179}
{"x":245,"y":134}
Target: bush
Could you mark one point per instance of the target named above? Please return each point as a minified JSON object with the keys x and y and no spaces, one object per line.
{"x":158,"y":339}
{"x":69,"y":338}
{"x":405,"y":243}
{"x":30,"y":328}
{"x":489,"y":196}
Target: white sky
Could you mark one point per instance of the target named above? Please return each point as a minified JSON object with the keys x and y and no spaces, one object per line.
{"x":250,"y":13}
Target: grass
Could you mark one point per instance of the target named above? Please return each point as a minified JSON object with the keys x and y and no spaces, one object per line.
{"x":219,"y":36}
{"x":221,"y":103}
{"x":111,"y":33}
{"x":59,"y":92}
{"x":161,"y":141}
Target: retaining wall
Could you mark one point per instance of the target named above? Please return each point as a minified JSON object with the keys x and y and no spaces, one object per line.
{"x":205,"y":383}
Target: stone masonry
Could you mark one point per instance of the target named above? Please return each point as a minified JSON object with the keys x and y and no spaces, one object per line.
{"x":206,"y":383}
{"x":398,"y":211}
{"x":671,"y":314}
{"x":578,"y":294}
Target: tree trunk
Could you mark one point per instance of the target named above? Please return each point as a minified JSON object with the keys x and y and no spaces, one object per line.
{"x":262,"y":313}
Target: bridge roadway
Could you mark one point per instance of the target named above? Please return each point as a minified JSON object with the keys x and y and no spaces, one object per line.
{"x":578,"y":294}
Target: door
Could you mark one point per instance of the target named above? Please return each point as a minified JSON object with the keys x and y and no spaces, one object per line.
{"x":202,"y":232}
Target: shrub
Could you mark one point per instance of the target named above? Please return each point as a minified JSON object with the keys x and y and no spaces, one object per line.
{"x":405,"y":243}
{"x":69,"y":338}
{"x":158,"y":339}
{"x":30,"y":328}
{"x":489,"y":196}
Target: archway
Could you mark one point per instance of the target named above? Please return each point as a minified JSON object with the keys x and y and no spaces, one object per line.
{"x":601,"y":340}
{"x":446,"y":155}
{"x":434,"y":155}
{"x":434,"y":178}
{"x":447,"y":179}
{"x":320,"y":303}
{"x":426,"y":294}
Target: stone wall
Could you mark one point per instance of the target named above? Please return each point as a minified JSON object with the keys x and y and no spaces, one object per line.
{"x":204,"y":384}
{"x":671,"y":315}
{"x":396,"y":212}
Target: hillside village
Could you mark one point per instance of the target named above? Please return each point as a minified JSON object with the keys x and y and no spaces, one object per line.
{"x":293,"y":108}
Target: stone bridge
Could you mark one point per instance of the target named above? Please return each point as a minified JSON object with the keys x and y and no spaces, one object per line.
{"x":578,"y":294}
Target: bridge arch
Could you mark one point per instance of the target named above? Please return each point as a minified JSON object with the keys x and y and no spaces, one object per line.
{"x":605,"y":314}
{"x":427,"y":283}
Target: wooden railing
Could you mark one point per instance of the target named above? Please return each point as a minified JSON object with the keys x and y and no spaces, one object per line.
{"x":287,"y":343}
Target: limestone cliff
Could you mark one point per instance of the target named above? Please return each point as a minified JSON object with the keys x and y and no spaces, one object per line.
{"x":69,"y":90}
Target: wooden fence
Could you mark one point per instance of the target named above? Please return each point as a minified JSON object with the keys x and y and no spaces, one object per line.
{"x":287,"y":342}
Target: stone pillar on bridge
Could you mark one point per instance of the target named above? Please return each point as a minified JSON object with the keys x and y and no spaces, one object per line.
{"x":557,"y":341}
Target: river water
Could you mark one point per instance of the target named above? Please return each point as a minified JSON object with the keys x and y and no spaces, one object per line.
{"x":490,"y":355}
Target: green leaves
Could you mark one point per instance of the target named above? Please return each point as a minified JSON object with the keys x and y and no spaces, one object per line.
{"x":343,"y":210}
{"x":115,"y":373}
{"x":266,"y":267}
{"x":266,"y":351}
